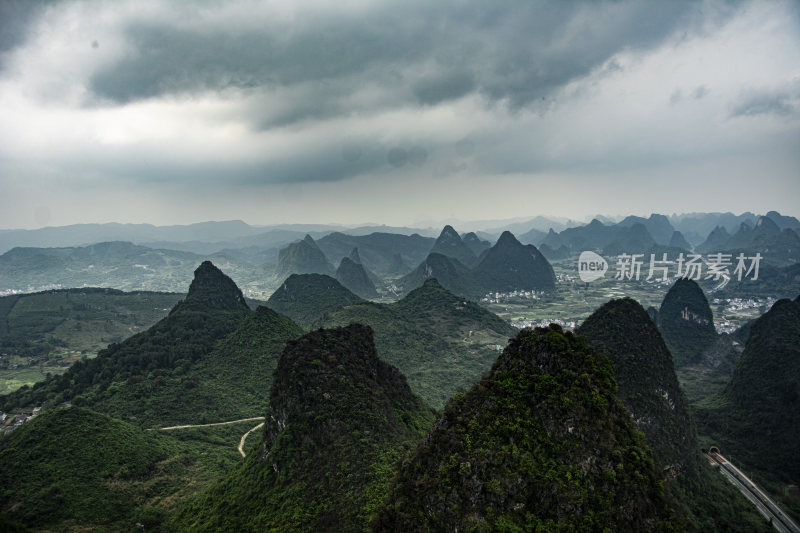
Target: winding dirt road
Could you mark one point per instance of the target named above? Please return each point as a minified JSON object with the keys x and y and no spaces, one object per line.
{"x":244,"y":437}
{"x":241,"y":441}
{"x":208,"y":425}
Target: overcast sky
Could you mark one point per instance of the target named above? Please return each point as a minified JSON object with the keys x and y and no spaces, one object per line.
{"x":395,"y":112}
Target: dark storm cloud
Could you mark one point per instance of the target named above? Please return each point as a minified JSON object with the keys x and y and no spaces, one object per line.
{"x":335,"y":161}
{"x":170,"y":60}
{"x":16,"y":17}
{"x":777,"y":102}
{"x":443,"y":86}
{"x":517,"y":53}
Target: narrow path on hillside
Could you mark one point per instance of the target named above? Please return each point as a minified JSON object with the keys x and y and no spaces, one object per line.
{"x":208,"y":425}
{"x":244,"y":438}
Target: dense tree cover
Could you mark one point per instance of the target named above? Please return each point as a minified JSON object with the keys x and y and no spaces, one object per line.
{"x":643,"y":369}
{"x":441,"y":342}
{"x":226,"y":383}
{"x":541,"y":444}
{"x":306,"y":297}
{"x":69,"y":464}
{"x":756,"y":418}
{"x":77,"y":470}
{"x":76,"y":319}
{"x":623,"y":331}
{"x":207,"y":360}
{"x":338,"y":422}
{"x":686,"y":322}
{"x":168,"y":348}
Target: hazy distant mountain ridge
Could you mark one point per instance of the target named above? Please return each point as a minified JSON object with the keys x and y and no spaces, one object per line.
{"x":450,"y":273}
{"x":119,"y":265}
{"x":506,"y":266}
{"x":658,"y":226}
{"x":677,"y":240}
{"x":354,"y":276}
{"x":449,"y":244}
{"x":475,"y":243}
{"x":378,"y":251}
{"x":302,"y":257}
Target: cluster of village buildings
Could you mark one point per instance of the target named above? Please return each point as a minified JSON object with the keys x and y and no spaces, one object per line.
{"x":9,"y":422}
{"x":502,"y":297}
{"x":739,"y":306}
{"x":566,"y":324}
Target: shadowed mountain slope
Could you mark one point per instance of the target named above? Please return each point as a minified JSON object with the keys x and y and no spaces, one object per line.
{"x":541,"y":444}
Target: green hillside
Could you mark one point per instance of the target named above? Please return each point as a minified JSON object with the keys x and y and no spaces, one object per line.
{"x":339,"y":420}
{"x":46,"y":332}
{"x":119,"y":265}
{"x":305,"y":298}
{"x":756,"y":418}
{"x":206,"y":361}
{"x":439,"y":341}
{"x":623,"y":331}
{"x":74,"y":464}
{"x":541,"y":444}
{"x":77,"y":470}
